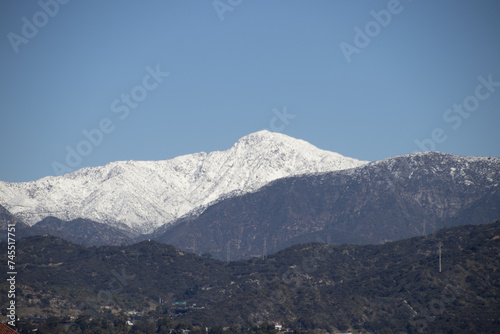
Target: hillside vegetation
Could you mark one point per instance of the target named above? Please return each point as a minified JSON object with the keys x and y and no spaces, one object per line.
{"x":391,"y":288}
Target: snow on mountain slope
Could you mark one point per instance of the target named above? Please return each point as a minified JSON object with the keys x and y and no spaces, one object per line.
{"x":143,"y":195}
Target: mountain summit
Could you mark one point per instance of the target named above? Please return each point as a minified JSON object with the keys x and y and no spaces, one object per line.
{"x":143,"y":195}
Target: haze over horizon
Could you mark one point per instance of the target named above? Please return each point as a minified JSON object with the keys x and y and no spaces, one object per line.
{"x":133,"y":81}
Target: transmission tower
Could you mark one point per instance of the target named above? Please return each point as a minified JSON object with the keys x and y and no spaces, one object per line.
{"x":264,"y":251}
{"x":439,"y":248}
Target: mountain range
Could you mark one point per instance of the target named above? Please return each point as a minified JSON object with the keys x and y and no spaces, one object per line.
{"x":267,"y":192}
{"x":141,"y":196}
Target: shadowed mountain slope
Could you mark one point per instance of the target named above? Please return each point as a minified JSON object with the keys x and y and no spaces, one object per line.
{"x":390,"y":199}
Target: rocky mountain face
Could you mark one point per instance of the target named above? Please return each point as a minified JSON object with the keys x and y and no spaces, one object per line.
{"x":140,"y":196}
{"x":386,"y":200}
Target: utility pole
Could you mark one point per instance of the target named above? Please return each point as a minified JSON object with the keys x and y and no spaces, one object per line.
{"x":439,"y":246}
{"x":228,"y":251}
{"x":264,"y":252}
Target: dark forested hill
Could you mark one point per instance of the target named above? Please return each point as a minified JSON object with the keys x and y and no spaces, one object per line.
{"x":390,"y":288}
{"x":80,"y":231}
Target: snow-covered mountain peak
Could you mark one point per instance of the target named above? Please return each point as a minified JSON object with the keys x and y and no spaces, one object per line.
{"x":270,"y":143}
{"x":264,"y":137}
{"x":143,"y":195}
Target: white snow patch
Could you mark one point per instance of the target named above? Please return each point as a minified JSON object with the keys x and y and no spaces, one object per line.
{"x":144,"y":195}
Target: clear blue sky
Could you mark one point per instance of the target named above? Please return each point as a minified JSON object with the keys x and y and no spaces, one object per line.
{"x":227,"y":76}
